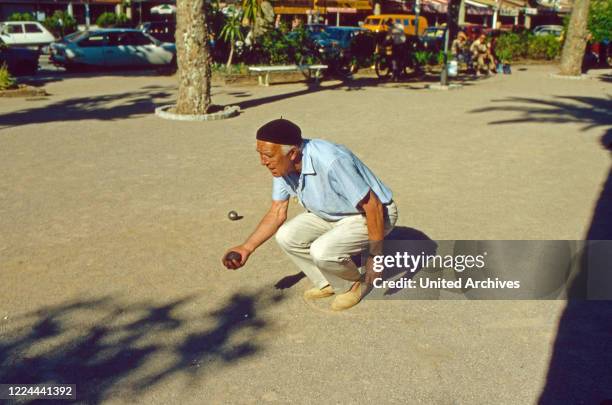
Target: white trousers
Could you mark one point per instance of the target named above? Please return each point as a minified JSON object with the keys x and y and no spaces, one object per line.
{"x":323,"y":249}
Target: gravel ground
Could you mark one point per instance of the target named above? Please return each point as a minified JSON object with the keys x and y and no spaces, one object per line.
{"x":113,"y":223}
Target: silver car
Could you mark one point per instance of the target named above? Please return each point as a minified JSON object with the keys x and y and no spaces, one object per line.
{"x":542,"y":30}
{"x":113,"y":47}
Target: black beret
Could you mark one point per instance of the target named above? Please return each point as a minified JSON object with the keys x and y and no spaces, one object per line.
{"x":280,"y":131}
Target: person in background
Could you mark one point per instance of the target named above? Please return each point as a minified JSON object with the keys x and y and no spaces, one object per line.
{"x":396,"y":38}
{"x":481,"y":56}
{"x":460,"y":49}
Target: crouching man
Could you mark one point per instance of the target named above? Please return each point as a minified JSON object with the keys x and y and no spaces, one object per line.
{"x":348,"y":212}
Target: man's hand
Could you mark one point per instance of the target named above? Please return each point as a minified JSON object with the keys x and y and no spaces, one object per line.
{"x":236,"y":264}
{"x":375,"y":221}
{"x":267,"y":227}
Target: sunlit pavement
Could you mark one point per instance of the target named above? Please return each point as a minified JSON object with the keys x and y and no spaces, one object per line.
{"x":113,"y":223}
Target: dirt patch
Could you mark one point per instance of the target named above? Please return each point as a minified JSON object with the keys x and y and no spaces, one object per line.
{"x":23,"y":90}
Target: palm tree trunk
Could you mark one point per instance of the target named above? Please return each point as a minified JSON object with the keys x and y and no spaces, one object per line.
{"x":193,"y":57}
{"x":229,"y":59}
{"x":575,"y":40}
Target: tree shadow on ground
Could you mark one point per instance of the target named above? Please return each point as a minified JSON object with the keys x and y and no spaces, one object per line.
{"x":145,"y":100}
{"x":354,"y":84}
{"x":591,"y":111}
{"x":104,"y":108}
{"x":116,"y":347}
{"x":402,"y":240}
{"x":45,"y":76}
{"x":607,"y":78}
{"x":579,"y":370}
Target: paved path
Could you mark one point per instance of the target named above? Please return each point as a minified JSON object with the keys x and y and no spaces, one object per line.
{"x":112,"y":223}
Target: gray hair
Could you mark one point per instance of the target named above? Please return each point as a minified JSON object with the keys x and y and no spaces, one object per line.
{"x":286,"y":148}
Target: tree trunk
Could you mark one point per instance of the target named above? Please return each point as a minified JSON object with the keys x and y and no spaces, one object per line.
{"x":229,"y":59}
{"x":575,"y":40}
{"x":193,"y":57}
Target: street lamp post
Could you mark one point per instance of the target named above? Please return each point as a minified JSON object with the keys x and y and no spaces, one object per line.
{"x":444,"y":73}
{"x":87,"y":16}
{"x":452,"y":16}
{"x":417,"y":12}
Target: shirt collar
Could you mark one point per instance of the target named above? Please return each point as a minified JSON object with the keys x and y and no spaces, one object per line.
{"x":307,"y":167}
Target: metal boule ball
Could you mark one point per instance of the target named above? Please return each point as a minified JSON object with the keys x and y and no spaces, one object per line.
{"x":233,"y":215}
{"x":234,"y":256}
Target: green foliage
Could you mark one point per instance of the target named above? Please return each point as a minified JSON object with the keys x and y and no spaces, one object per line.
{"x":422,"y":58}
{"x":106,"y":20}
{"x":276,"y":48}
{"x":252,"y":10}
{"x":504,"y":55}
{"x":284,"y":27}
{"x":6,"y":80}
{"x":544,"y":47}
{"x":60,"y":23}
{"x":222,"y":68}
{"x":440,"y":58}
{"x":512,"y":46}
{"x":600,"y":19}
{"x":301,"y":49}
{"x":21,"y":17}
{"x":231,"y":31}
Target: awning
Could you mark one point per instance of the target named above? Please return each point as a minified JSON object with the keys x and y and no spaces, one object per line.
{"x":322,"y":6}
{"x":475,"y":4}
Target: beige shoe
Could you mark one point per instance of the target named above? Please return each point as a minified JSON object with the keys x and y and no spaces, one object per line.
{"x":316,"y":293}
{"x":348,"y":299}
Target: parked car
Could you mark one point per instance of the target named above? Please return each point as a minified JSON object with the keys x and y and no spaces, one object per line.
{"x":515,"y":28}
{"x":340,"y":37}
{"x":547,"y":28}
{"x":19,"y":60}
{"x":25,"y":33}
{"x":377,"y":23}
{"x":315,"y":28}
{"x":555,"y":30}
{"x":433,"y":38}
{"x":161,"y":30}
{"x":335,"y":46}
{"x":113,"y":47}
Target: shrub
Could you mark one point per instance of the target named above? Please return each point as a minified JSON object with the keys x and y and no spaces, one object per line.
{"x":422,"y":58}
{"x":21,"y":17}
{"x":600,"y":19}
{"x":6,"y":80}
{"x":60,"y":23}
{"x":511,"y":46}
{"x":544,"y":47}
{"x":276,"y":48}
{"x":240,"y":69}
{"x":106,"y":20}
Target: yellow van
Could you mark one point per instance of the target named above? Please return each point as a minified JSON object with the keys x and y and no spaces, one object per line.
{"x":376,"y":23}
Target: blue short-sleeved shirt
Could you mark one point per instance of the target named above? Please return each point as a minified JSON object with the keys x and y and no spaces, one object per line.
{"x":332,"y":183}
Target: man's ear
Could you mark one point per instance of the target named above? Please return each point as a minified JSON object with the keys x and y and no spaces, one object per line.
{"x":294,"y":154}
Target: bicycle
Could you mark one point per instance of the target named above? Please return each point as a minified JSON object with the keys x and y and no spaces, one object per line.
{"x":383,"y":64}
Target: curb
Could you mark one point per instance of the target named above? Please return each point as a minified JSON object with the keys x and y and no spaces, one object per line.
{"x":228,"y":112}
